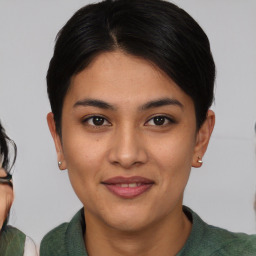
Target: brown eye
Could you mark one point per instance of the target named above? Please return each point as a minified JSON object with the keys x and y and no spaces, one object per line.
{"x":159,"y":121}
{"x":96,"y":121}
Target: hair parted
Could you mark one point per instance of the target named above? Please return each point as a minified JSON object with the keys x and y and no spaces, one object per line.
{"x":155,"y":30}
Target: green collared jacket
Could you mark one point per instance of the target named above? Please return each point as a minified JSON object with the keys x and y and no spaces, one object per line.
{"x":204,"y":239}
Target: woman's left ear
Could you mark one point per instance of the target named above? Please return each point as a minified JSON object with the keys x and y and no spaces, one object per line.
{"x":203,"y":138}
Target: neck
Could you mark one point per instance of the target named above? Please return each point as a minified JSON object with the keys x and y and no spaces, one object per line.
{"x":165,"y":238}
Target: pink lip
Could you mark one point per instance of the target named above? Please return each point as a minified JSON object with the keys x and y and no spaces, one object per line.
{"x":115,"y":185}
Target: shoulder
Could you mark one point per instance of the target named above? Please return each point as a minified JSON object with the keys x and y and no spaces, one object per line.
{"x":12,"y":232}
{"x":12,"y":241}
{"x":53,"y":242}
{"x":66,"y":239}
{"x":208,"y":240}
{"x":224,"y":242}
{"x":15,"y":241}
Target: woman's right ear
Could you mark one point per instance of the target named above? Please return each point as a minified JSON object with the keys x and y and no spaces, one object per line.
{"x":57,"y":141}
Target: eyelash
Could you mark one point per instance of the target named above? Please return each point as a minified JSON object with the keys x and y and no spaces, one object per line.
{"x":94,"y":118}
{"x":167,"y":120}
{"x":102,"y":121}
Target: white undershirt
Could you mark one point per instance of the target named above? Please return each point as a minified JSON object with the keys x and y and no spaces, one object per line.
{"x":30,"y":248}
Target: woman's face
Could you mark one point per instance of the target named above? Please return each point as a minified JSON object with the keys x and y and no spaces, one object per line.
{"x":129,"y":140}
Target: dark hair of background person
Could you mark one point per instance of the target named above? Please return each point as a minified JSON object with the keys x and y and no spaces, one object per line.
{"x":155,"y":30}
{"x":5,"y":143}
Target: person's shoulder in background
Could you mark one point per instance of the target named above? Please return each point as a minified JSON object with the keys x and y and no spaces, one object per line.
{"x":15,"y":242}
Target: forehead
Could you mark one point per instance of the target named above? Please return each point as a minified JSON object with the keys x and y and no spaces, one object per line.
{"x":120,"y":77}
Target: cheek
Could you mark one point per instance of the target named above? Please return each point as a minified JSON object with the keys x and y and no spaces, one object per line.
{"x":6,"y":200}
{"x":84,"y":157}
{"x":173,"y":157}
{"x":175,"y":151}
{"x":82,"y":152}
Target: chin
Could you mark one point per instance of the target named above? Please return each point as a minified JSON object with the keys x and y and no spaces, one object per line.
{"x":125,"y":222}
{"x":130,"y":226}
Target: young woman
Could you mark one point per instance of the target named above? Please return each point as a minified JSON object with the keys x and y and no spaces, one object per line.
{"x":12,"y":241}
{"x":130,"y":86}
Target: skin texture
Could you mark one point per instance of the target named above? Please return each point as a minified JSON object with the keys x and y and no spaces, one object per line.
{"x":129,"y":143}
{"x":6,"y":199}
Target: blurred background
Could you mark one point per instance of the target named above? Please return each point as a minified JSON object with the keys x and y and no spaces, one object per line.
{"x":222,"y":192}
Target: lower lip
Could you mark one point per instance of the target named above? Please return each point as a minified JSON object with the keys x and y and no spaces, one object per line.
{"x":128,"y":192}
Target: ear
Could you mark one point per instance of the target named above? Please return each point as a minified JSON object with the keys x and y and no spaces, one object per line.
{"x":203,"y":138}
{"x":57,"y":141}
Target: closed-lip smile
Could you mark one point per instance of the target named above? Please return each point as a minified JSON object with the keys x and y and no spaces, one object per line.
{"x":128,"y":187}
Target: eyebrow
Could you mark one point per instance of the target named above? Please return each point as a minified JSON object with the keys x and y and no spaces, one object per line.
{"x":149,"y":105}
{"x":94,"y":103}
{"x":160,"y":103}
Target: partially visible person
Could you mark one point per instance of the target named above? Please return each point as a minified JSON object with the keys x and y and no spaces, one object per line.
{"x":13,"y":242}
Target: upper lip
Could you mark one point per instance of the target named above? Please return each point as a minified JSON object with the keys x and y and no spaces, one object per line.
{"x":127,"y":180}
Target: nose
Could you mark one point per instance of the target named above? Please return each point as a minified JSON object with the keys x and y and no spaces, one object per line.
{"x":128,"y":148}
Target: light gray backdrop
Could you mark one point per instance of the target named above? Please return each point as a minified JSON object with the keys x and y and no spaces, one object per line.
{"x":222,"y":191}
